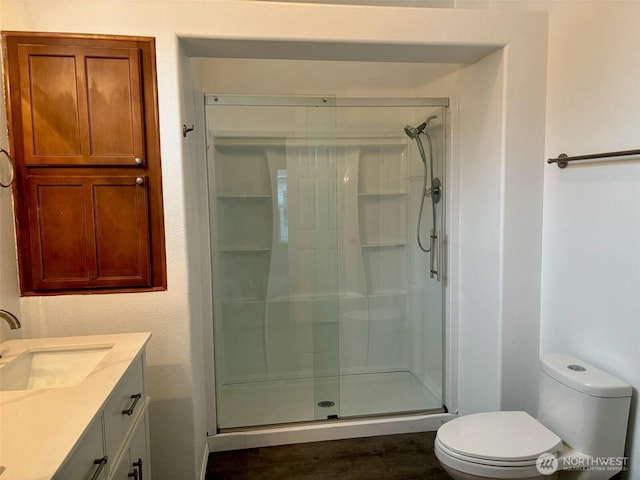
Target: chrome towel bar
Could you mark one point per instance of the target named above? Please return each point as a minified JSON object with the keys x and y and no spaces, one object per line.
{"x":563,"y":159}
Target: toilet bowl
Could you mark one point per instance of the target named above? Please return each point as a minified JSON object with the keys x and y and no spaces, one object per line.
{"x":509,"y":447}
{"x":583,"y":416}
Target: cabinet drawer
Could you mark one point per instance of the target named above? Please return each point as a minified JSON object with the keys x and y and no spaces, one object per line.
{"x":87,"y":461}
{"x":123,"y":407}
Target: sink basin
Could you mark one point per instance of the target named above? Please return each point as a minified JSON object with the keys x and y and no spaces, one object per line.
{"x":51,"y":367}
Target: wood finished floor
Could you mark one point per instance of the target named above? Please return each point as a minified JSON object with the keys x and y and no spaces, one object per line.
{"x":392,"y":457}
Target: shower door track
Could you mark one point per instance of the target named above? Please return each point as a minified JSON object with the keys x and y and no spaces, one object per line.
{"x":338,"y":420}
{"x":323,"y":101}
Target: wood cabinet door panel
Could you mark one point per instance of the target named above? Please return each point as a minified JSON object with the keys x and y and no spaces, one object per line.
{"x":60,"y":248}
{"x":114,"y":107}
{"x":52,"y":130}
{"x":121,"y":221}
{"x":91,"y":231}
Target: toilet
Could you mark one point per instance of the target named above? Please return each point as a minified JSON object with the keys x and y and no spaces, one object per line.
{"x":581,"y":426}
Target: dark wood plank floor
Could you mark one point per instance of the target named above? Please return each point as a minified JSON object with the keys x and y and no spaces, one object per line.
{"x":392,"y":457}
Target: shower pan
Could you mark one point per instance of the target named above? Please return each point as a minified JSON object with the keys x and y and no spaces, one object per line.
{"x":325,"y":305}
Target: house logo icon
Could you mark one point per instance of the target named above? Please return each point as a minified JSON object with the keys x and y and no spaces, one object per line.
{"x":547,"y":464}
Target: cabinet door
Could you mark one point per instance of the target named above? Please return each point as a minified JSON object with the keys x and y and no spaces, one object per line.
{"x":81,"y":105}
{"x":134,"y":464}
{"x":124,"y":407}
{"x":139,"y":450}
{"x":89,"y":231}
{"x":88,"y":459}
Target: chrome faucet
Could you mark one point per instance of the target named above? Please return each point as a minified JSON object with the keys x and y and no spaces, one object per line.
{"x":11,"y":319}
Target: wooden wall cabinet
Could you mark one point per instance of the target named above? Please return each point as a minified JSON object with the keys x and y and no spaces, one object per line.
{"x":84,"y":134}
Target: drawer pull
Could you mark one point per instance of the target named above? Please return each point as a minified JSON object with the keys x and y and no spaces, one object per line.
{"x":135,"y":399}
{"x":101,"y":462}
{"x":137,"y":470}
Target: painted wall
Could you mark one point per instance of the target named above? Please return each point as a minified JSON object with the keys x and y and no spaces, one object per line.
{"x":591,"y":259}
{"x":178,"y":316}
{"x":9,"y":287}
{"x":591,"y":216}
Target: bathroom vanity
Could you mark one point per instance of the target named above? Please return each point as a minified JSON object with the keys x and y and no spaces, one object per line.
{"x":74,"y":408}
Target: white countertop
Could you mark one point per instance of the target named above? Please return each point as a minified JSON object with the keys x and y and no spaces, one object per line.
{"x":39,"y":428}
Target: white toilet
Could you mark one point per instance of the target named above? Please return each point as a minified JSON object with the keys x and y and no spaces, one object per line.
{"x":582,"y":426}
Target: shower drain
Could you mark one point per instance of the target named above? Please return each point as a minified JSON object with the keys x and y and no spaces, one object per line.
{"x":326,"y":404}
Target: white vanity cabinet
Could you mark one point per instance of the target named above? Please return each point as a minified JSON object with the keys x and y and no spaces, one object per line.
{"x":67,"y":422}
{"x":115,"y":446}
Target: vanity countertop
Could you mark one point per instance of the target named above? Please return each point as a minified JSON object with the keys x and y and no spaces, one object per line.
{"x":39,"y":428}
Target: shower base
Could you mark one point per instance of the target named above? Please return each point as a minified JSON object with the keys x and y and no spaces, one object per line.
{"x":290,"y":401}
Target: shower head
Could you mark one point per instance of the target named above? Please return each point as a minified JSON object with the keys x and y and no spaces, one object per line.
{"x":413,"y":132}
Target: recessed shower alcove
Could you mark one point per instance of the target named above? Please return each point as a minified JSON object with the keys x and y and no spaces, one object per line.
{"x":323,"y":305}
{"x":267,"y":333}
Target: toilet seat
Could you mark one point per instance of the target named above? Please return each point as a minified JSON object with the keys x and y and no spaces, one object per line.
{"x":482,"y":461}
{"x":495,"y":444}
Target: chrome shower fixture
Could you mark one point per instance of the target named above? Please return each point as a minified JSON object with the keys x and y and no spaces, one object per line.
{"x":435,"y":192}
{"x":413,"y":132}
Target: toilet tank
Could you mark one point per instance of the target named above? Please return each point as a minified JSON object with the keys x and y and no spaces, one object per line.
{"x":585,"y":406}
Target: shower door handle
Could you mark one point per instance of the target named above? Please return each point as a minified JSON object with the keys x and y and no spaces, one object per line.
{"x":436,"y":251}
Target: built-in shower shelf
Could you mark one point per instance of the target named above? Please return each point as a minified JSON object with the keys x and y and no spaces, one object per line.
{"x":243,"y":196}
{"x":244,"y":250}
{"x":387,"y":293}
{"x":385,"y":245}
{"x":382,"y":194}
{"x":242,"y":301}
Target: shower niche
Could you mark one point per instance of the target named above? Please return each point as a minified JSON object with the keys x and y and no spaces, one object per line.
{"x":323,"y":305}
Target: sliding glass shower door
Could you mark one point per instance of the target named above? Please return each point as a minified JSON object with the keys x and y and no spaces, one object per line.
{"x":323,"y":304}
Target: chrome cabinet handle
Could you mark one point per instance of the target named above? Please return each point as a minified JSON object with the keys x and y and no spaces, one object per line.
{"x":101,"y":462}
{"x":140,"y":181}
{"x":138,"y":160}
{"x":135,"y":399}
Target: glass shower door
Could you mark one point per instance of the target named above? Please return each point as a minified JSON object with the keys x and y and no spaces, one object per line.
{"x":325,"y":306}
{"x":391,"y":308}
{"x":272,"y":178}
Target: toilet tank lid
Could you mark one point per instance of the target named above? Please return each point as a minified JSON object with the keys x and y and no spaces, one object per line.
{"x":581,"y":376}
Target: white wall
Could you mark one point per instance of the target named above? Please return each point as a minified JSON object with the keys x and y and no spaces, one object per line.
{"x":591,"y":215}
{"x":9,"y":288}
{"x":591,"y":259}
{"x":176,"y":422}
{"x":176,"y":317}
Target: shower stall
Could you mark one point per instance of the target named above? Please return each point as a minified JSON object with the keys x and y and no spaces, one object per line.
{"x":327,"y":227}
